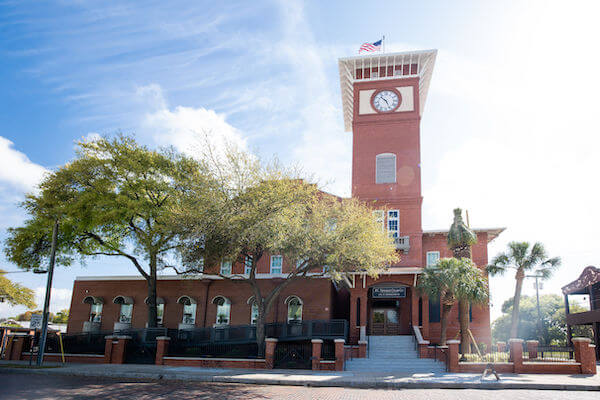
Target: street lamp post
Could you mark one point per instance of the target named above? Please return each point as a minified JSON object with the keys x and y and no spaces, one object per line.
{"x":44,"y":334}
{"x":537,"y":295}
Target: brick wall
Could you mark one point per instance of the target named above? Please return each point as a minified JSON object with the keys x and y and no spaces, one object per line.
{"x":317,"y":295}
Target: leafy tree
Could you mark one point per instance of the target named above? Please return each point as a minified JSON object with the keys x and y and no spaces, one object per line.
{"x":61,"y":317}
{"x":15,"y":293}
{"x":26,"y":316}
{"x":552,"y":311}
{"x":460,"y":240}
{"x":115,"y":199}
{"x":452,"y":279}
{"x":264,"y":209}
{"x":523,"y":258}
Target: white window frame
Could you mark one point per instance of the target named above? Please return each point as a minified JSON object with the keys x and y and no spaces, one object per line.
{"x":226,"y":306}
{"x":96,"y":312}
{"x":126,"y":313}
{"x":253,"y":313}
{"x":188,"y":314}
{"x":301,"y":305}
{"x":379,"y":216}
{"x":248,"y":265}
{"x":226,"y":267}
{"x":427,"y":257}
{"x":382,"y":156}
{"x":160,"y":313}
{"x":390,"y":219}
{"x":274,"y":257}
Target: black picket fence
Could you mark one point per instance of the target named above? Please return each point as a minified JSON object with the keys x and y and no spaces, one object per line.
{"x":328,"y":350}
{"x":185,"y":348}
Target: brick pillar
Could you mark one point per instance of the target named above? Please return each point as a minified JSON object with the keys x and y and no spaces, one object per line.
{"x":270,"y":344}
{"x":516,"y":354}
{"x":452,"y":356}
{"x":423,"y":349}
{"x":339,"y":354}
{"x":108,"y":346}
{"x":162,"y":349}
{"x":585,"y":354}
{"x":362,"y":349}
{"x":317,"y":344}
{"x":501,"y":347}
{"x":17,"y":347}
{"x":532,"y":348}
{"x":114,"y":349}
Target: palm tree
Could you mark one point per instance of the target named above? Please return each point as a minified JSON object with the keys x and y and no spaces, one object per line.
{"x":460,"y":240}
{"x":451,"y":280}
{"x":523,"y":258}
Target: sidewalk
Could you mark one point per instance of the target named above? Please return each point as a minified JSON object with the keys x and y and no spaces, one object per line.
{"x":310,"y":378}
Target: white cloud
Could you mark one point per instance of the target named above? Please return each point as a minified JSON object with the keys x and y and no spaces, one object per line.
{"x":16,"y":169}
{"x":186,"y":128}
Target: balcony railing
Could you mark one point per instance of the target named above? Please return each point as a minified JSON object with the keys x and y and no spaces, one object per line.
{"x":402,"y":243}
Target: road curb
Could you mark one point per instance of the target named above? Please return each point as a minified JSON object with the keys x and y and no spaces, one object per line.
{"x":274,"y":381}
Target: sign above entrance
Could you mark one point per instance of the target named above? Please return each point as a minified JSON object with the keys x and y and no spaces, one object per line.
{"x":388,"y":292}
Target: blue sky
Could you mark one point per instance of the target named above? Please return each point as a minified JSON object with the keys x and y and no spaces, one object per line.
{"x":512,"y":102}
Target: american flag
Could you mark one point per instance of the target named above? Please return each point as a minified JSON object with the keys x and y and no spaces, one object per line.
{"x":370,"y":46}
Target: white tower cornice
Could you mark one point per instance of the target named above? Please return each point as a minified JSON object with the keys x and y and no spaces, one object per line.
{"x":424,"y":60}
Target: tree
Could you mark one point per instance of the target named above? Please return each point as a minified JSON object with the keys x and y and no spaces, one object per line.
{"x":115,"y":199}
{"x":26,"y":316}
{"x":523,"y":258}
{"x":15,"y":293}
{"x":552,"y":310}
{"x":452,"y":279}
{"x":460,"y":240}
{"x":265,"y":209}
{"x":61,"y":317}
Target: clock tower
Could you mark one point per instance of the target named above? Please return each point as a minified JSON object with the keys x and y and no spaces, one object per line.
{"x":383,"y":97}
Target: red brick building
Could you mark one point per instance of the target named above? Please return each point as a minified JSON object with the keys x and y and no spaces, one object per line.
{"x":383,"y":97}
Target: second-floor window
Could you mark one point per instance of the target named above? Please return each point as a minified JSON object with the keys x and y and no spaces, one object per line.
{"x":432,"y":258}
{"x":126,"y":312}
{"x":248,"y":265}
{"x":225,"y":267}
{"x":96,"y":312}
{"x":393,"y":223}
{"x":276,"y":264}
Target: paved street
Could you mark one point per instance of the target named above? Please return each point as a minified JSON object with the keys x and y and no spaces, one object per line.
{"x":26,"y":386}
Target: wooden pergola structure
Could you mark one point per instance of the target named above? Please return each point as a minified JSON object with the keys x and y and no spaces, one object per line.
{"x":588,"y":283}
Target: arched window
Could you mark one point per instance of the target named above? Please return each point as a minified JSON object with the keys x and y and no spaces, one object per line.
{"x":253,"y":310}
{"x":223,"y":309}
{"x":160,"y":309}
{"x":189,"y":310}
{"x":126,"y":311}
{"x":96,"y":304}
{"x":385,"y":168}
{"x":294,"y":309}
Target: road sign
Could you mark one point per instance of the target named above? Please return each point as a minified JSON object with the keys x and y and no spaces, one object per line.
{"x":36,"y":321}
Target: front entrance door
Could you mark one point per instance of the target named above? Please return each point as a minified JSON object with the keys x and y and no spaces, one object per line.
{"x":385,"y":321}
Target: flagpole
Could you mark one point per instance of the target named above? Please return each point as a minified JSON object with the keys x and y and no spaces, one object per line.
{"x":383,"y":43}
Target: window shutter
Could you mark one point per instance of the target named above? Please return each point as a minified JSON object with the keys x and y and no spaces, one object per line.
{"x":385,"y":168}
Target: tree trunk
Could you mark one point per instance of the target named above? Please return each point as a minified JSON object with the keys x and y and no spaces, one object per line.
{"x":152,"y":311}
{"x":463,"y":316}
{"x":514,"y":324}
{"x":260,"y":329}
{"x":459,"y":252}
{"x":444,"y":322}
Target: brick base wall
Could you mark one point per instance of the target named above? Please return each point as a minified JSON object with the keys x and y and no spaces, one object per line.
{"x":215,"y":362}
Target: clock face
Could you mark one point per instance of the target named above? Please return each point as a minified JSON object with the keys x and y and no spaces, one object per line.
{"x":386,"y":100}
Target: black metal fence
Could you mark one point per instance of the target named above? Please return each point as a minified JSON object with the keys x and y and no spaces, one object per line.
{"x":185,"y":348}
{"x":293,"y":355}
{"x":550,"y":353}
{"x":314,"y":329}
{"x":81,"y":343}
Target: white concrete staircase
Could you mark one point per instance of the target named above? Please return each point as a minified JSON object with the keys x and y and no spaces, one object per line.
{"x":394,"y":354}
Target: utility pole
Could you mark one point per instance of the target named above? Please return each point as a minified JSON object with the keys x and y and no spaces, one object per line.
{"x":44,"y":334}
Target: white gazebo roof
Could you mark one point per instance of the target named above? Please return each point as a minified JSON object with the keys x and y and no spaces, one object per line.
{"x":424,"y":59}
